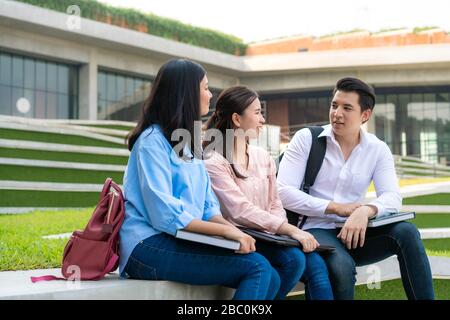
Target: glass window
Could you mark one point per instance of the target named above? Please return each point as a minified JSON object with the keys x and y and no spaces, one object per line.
{"x":73,"y":84}
{"x":5,"y":69}
{"x":5,"y":100}
{"x":40,"y":82}
{"x":310,"y":110}
{"x":63,"y":79}
{"x":41,"y":75}
{"x":17,"y":71}
{"x":17,"y":93}
{"x":141,"y":92}
{"x":40,"y":104}
{"x":117,"y":93}
{"x":52,"y":77}
{"x":130,"y":88}
{"x":63,"y":106}
{"x":111,"y":87}
{"x":51,"y":105}
{"x":101,"y":86}
{"x":30,"y":77}
{"x":121,"y":93}
{"x":322,"y":110}
{"x":73,"y":107}
{"x":101,"y":109}
{"x":29,"y":95}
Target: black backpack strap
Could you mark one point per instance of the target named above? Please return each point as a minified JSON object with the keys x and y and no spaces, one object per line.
{"x":315,"y":160}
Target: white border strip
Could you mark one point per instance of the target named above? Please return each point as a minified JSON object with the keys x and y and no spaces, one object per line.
{"x":23,"y":210}
{"x":49,"y":186}
{"x":65,"y":131}
{"x":62,"y":164}
{"x":67,"y":121}
{"x":59,"y":147}
{"x":105,"y":131}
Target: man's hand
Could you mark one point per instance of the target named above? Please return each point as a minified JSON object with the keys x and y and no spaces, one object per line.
{"x":354,"y":229}
{"x":342,"y":209}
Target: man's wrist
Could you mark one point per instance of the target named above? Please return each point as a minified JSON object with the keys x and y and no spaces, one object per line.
{"x":331,"y":208}
{"x":371,"y":210}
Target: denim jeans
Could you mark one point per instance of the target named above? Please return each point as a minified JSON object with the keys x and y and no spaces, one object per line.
{"x":289,"y":262}
{"x":163,"y":257}
{"x":401,"y":239}
{"x":316,"y":279}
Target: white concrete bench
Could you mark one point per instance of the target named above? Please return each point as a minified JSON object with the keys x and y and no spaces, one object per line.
{"x":17,"y":285}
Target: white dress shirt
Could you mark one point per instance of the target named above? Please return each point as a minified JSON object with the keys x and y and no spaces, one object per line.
{"x":338,"y":180}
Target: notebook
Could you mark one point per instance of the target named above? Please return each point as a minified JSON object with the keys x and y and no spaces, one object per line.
{"x":387,"y":219}
{"x":207,"y":239}
{"x":281,"y":239}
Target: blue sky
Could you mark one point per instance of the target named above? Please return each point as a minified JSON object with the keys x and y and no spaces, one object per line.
{"x":254,"y":20}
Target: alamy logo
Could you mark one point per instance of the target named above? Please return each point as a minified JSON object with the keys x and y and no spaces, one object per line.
{"x":374,"y":279}
{"x":73,"y":21}
{"x":74,"y":281}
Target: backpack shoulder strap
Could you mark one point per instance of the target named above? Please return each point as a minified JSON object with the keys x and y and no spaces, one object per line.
{"x":315,"y":158}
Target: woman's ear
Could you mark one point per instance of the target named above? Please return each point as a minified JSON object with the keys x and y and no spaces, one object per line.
{"x":236,"y":119}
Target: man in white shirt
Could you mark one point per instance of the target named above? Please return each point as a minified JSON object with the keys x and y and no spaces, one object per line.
{"x":353,"y":159}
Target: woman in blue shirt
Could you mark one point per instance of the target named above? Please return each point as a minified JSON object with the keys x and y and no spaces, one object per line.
{"x":166,"y":191}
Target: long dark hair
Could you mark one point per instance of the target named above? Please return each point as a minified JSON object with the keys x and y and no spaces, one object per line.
{"x":173,"y":103}
{"x":235,"y":99}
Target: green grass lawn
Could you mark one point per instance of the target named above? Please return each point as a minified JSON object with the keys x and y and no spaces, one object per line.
{"x":434,"y":247}
{"x":432,"y":220}
{"x":21,"y":245}
{"x":432,"y":199}
{"x":62,"y":156}
{"x":59,"y":199}
{"x":23,"y":173}
{"x":22,"y":248}
{"x":393,"y":290}
{"x":56,"y":138}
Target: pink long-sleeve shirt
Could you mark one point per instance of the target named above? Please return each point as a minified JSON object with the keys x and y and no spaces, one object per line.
{"x":251,"y":202}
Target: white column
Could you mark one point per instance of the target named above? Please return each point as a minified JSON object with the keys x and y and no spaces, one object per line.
{"x":88,"y":88}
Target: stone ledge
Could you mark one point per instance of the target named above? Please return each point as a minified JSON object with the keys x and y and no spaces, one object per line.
{"x":17,"y":285}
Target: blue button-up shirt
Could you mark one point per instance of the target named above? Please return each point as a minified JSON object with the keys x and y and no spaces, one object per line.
{"x":163,"y":193}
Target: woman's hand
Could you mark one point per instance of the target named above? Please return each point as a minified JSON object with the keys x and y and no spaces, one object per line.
{"x":309,"y":243}
{"x":247,"y":242}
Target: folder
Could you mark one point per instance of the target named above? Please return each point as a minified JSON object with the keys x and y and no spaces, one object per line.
{"x":282,"y":240}
{"x":389,"y":218}
{"x":207,"y":239}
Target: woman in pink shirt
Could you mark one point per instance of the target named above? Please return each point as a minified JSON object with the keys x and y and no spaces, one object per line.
{"x":243,"y":179}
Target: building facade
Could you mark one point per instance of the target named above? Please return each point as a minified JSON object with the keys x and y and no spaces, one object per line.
{"x":99,"y":71}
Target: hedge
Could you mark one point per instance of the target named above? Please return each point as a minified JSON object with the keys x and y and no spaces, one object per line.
{"x":149,"y":23}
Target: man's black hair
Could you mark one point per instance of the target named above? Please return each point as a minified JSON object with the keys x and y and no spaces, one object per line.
{"x":365,"y":92}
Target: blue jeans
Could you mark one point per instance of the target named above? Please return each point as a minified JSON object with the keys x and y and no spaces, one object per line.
{"x":401,"y":239}
{"x":289,"y":262}
{"x":163,"y":257}
{"x":316,"y":280}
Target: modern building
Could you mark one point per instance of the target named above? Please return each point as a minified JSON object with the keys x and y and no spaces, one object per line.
{"x":51,"y":69}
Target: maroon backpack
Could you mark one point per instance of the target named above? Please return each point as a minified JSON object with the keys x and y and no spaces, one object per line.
{"x":93,"y":252}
